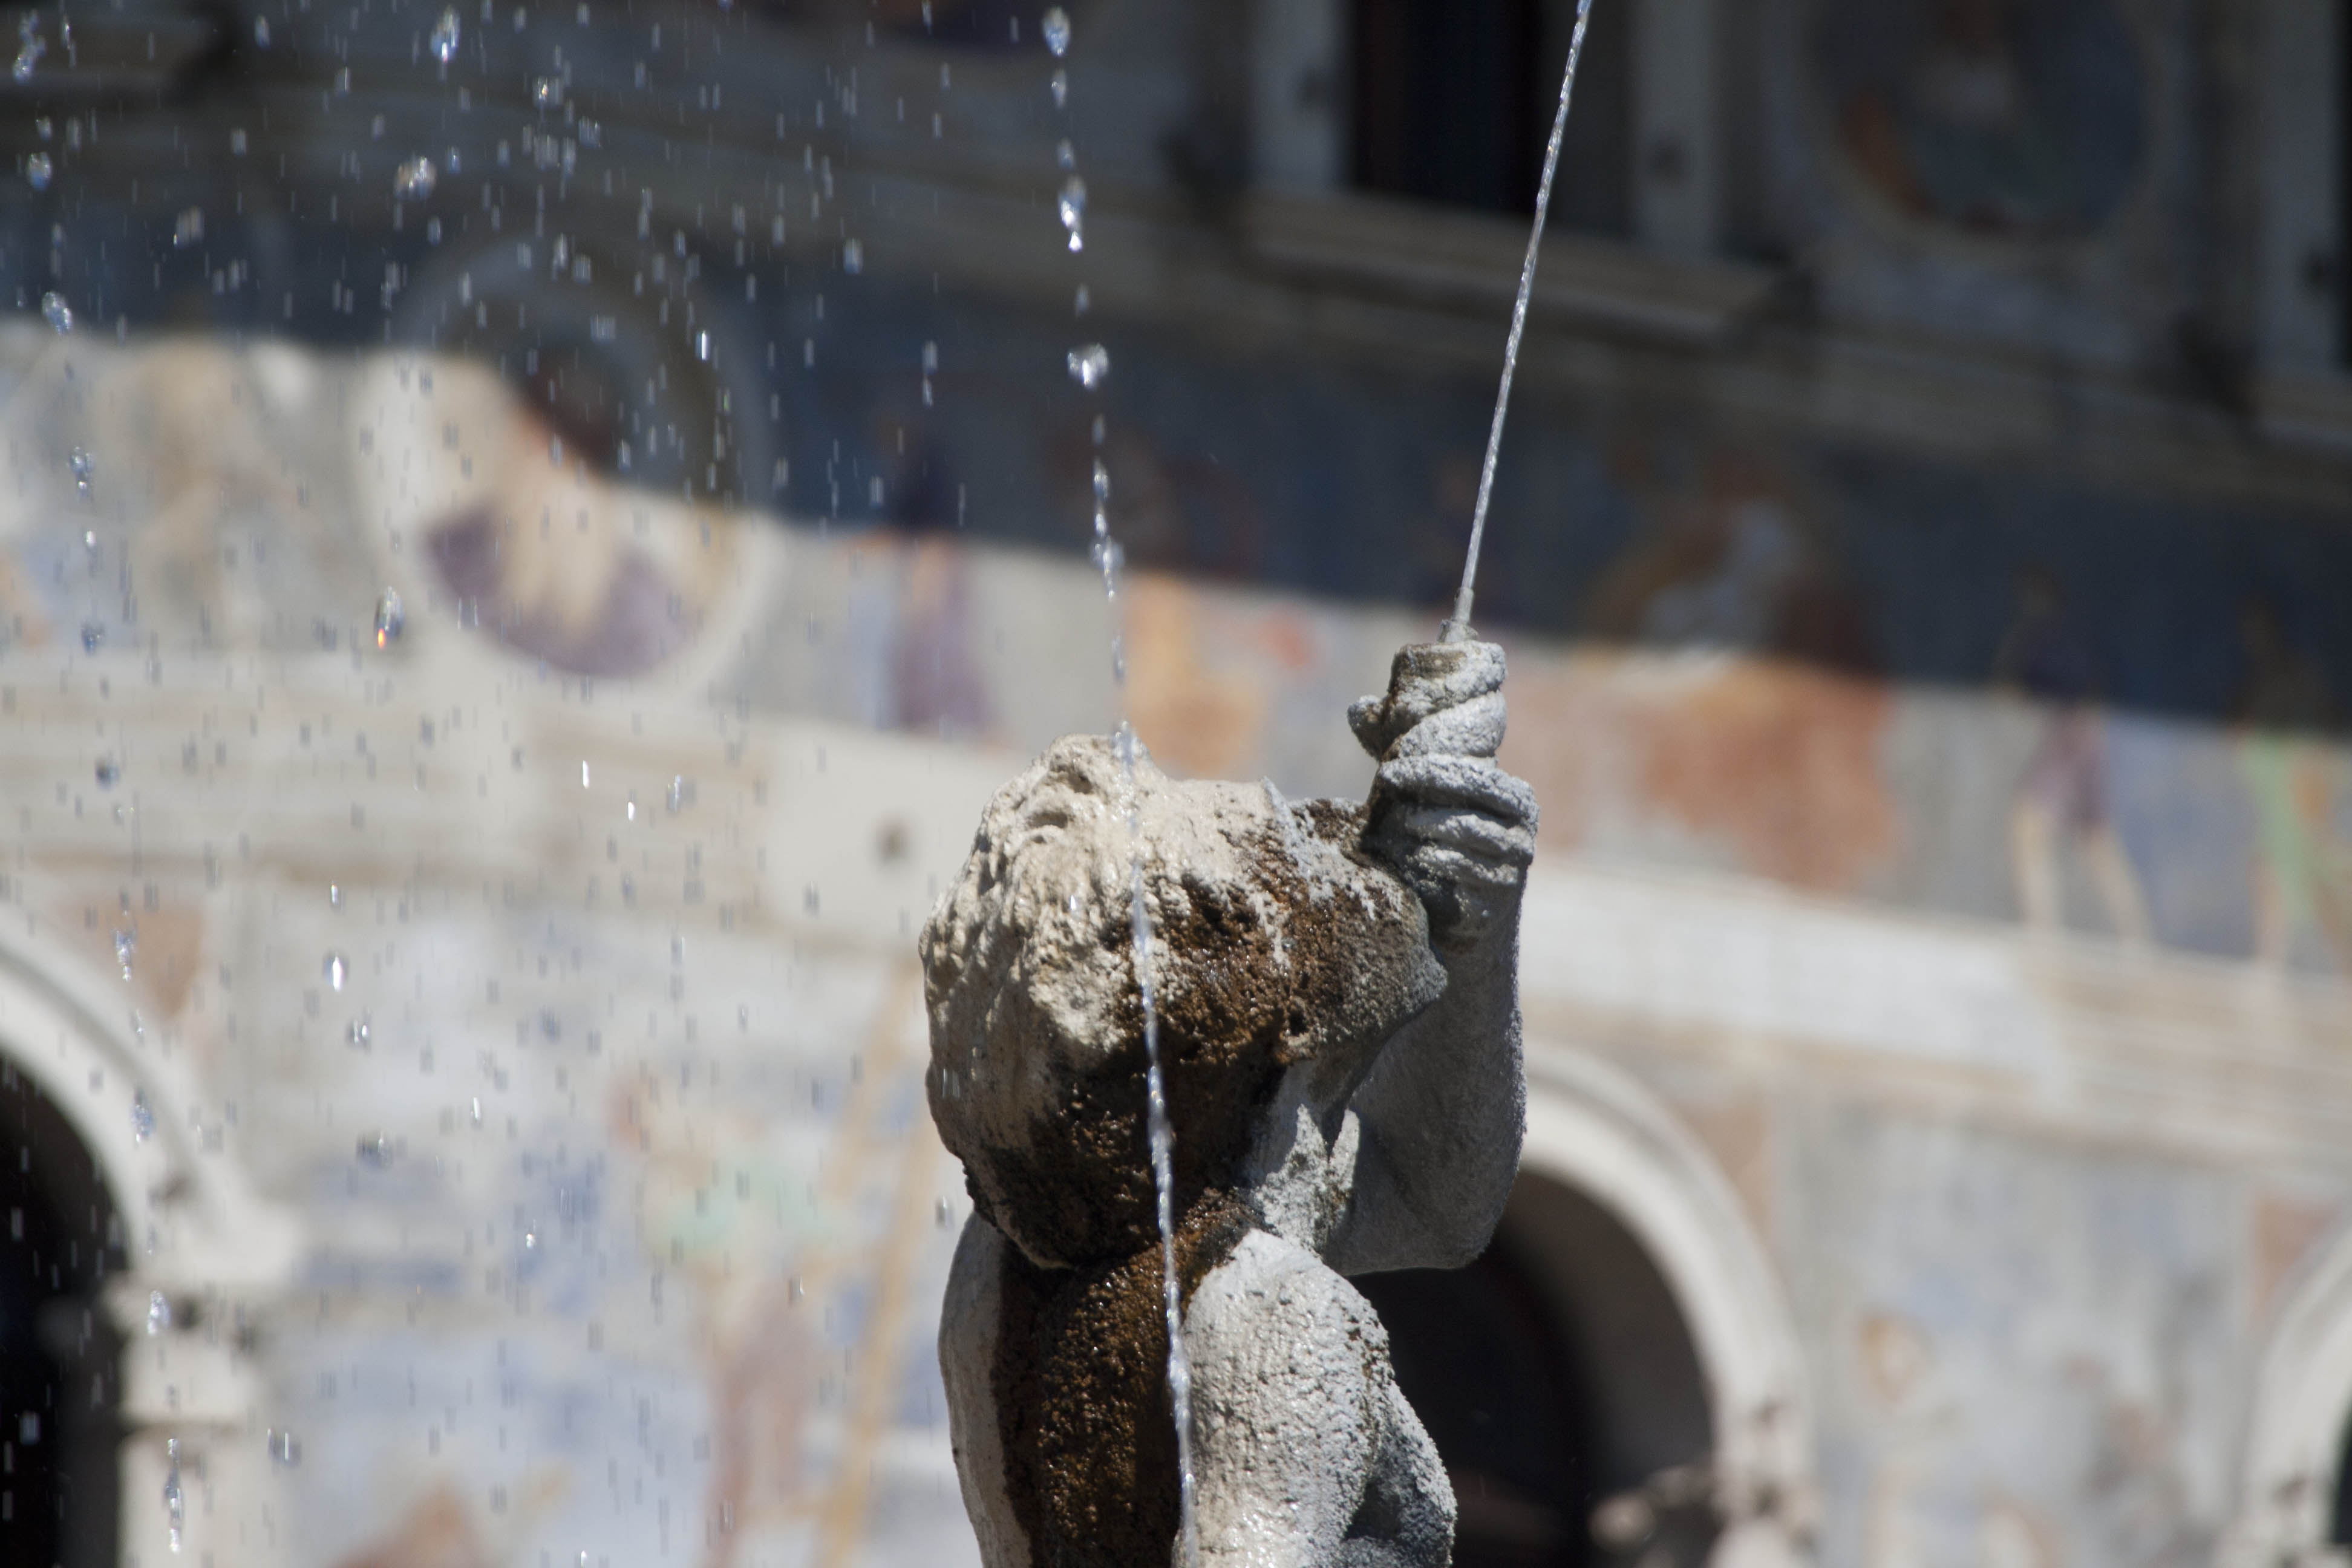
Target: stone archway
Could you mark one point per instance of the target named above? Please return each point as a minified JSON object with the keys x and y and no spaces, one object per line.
{"x":1592,"y":1128}
{"x":2296,"y":1426}
{"x":205,"y":1257}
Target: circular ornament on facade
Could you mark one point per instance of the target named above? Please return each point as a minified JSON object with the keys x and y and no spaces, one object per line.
{"x":2024,"y":119}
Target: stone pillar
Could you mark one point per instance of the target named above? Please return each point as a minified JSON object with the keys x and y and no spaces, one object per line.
{"x":1677,"y":153}
{"x":2301,"y":141}
{"x":197,"y":1461}
{"x":1298,"y":73}
{"x":196,"y":1456}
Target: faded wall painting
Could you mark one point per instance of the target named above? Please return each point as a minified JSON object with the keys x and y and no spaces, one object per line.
{"x":1999,"y":117}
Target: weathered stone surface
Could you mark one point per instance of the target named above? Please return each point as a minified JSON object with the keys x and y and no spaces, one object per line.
{"x":1340,"y":1045}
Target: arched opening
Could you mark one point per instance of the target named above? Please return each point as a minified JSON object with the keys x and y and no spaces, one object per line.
{"x":60,"y":1384}
{"x":2295,"y":1492}
{"x":1563,"y":1390}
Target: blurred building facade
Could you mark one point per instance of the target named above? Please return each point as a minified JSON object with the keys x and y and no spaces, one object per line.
{"x":495,"y":668}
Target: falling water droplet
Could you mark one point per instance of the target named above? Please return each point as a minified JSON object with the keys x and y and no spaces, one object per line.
{"x":334,"y":895}
{"x":126,"y":948}
{"x":1074,"y":211}
{"x":1061,"y":86}
{"x":676,"y":796}
{"x":107,"y":772}
{"x":1065,"y":154}
{"x":84,"y":469}
{"x":93,"y":637}
{"x":337,"y":971}
{"x":27,"y":58}
{"x":142,"y":1118}
{"x":853,"y":257}
{"x":361,"y":1033}
{"x":529,"y":1239}
{"x":188,"y":229}
{"x":413,"y":180}
{"x":548,"y":93}
{"x":37,"y":170}
{"x":285,"y":1448}
{"x":444,"y":37}
{"x":262,"y":32}
{"x":391,"y":619}
{"x":583,"y":776}
{"x":1091,"y":365}
{"x":176,"y":1503}
{"x":159,"y":1312}
{"x":56,"y":311}
{"x":1057,"y":31}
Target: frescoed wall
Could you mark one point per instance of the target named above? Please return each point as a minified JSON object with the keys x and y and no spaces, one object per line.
{"x":544,"y":950}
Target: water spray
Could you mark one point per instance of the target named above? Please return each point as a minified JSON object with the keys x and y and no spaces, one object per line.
{"x":1457,"y":629}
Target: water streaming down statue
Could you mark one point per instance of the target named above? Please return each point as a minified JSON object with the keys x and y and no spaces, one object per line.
{"x":1339,"y":1019}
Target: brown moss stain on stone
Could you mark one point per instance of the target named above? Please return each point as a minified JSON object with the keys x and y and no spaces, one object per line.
{"x":1241,"y":999}
{"x":1080,"y":1375}
{"x":1081,"y":1388}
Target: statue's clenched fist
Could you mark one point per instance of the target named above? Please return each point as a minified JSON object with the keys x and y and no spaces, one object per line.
{"x":1449,"y":821}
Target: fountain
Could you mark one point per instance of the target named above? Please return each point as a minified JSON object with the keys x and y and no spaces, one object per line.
{"x":1148,"y":1342}
{"x":1337,"y":1006}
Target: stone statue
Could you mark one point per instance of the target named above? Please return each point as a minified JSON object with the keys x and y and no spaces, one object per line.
{"x":1340,"y":1039}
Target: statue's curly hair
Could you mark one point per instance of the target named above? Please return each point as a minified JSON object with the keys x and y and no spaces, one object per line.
{"x":1274,"y":943}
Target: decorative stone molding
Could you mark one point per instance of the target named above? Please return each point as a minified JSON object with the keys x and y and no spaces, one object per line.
{"x":2295,"y":1428}
{"x":207,"y":1256}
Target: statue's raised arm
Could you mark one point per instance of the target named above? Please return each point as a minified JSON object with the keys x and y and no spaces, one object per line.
{"x":1444,"y":1105}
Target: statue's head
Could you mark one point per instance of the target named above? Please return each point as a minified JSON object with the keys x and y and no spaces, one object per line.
{"x":1280,"y":953}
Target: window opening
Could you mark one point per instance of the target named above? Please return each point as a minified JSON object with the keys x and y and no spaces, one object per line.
{"x":1562,"y":1389}
{"x":59,"y":1436}
{"x":1454,"y":104}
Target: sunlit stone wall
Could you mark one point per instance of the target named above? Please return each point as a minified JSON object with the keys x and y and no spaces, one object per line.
{"x":503,"y":1030}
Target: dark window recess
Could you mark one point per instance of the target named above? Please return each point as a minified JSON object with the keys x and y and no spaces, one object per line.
{"x":1477,"y":1355}
{"x":58,"y":1434}
{"x":1455,"y":101}
{"x":2339,"y":1521}
{"x":1559,"y":1384}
